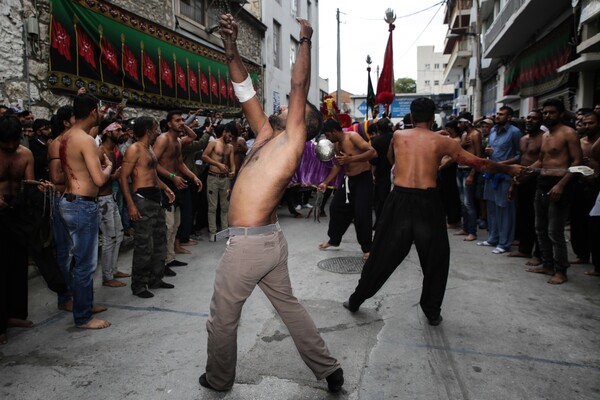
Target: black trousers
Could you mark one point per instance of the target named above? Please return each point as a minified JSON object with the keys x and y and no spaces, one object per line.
{"x":525,"y":227}
{"x":449,"y":193}
{"x":380,"y":192}
{"x":13,"y":271}
{"x":594,"y":240}
{"x":358,"y":208}
{"x":409,"y":216}
{"x":582,"y":201}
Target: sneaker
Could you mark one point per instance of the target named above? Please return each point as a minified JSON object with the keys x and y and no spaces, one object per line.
{"x":498,"y":250}
{"x":307,"y":205}
{"x":212,"y":237}
{"x":298,"y":207}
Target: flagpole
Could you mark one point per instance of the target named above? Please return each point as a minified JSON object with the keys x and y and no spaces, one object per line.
{"x":219,"y":85}
{"x":176,"y":77}
{"x":227,"y":83}
{"x":142,"y":69}
{"x":199,"y":82}
{"x":75,"y":20}
{"x":123,"y":59}
{"x":160,"y":75}
{"x":101,"y":31}
{"x":210,"y":86}
{"x":187,"y":69}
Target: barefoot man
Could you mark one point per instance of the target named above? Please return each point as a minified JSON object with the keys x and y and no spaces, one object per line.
{"x":16,"y":164}
{"x":257,"y":251}
{"x":219,"y":155}
{"x":145,"y":210}
{"x":525,"y":187}
{"x":353,"y":200}
{"x":79,"y":207}
{"x":560,"y":150}
{"x":110,"y":219}
{"x":173,"y":172}
{"x":413,"y":211}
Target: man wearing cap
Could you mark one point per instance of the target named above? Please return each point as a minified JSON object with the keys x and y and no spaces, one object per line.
{"x":110,"y":219}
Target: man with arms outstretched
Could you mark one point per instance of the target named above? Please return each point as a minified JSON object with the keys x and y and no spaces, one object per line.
{"x":257,"y":251}
{"x":413,"y":211}
{"x":79,"y":208}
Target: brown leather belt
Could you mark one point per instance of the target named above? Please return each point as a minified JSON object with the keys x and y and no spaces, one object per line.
{"x":217,"y":175}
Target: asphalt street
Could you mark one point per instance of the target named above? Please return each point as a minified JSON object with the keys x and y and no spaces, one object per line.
{"x":506,"y":334}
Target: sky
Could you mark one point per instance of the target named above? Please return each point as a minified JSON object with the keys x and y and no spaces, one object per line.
{"x":363,"y":32}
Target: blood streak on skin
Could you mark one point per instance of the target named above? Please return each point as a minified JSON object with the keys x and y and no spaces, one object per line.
{"x":63,"y":159}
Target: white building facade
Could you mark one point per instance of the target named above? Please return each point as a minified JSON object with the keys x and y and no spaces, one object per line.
{"x":430,"y":71}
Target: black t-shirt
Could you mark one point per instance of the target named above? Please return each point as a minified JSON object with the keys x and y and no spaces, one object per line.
{"x":40,"y":159}
{"x":381,"y":144}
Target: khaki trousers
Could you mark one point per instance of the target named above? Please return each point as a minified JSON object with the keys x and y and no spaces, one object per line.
{"x":172,"y":220}
{"x":249,"y":261}
{"x":217,"y":192}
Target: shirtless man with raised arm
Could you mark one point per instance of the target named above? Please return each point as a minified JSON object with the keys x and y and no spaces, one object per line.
{"x":413,"y":211}
{"x":219,"y":155}
{"x":145,"y":209}
{"x":560,"y":150}
{"x":79,"y":207}
{"x":353,"y":200}
{"x":174,"y":173}
{"x":257,"y":251}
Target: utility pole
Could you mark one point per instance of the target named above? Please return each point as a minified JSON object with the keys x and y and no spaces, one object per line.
{"x":478,"y":103}
{"x":339,"y":67}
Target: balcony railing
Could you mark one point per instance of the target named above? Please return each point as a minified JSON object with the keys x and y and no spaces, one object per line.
{"x":509,"y":9}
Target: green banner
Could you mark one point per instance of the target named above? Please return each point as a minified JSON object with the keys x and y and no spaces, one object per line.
{"x":535,"y":71}
{"x":118,"y":55}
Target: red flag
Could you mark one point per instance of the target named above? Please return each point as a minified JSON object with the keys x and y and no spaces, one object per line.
{"x":166,"y":74}
{"x":109,"y":56}
{"x":193,"y":80}
{"x":149,"y":69}
{"x":214,"y":88}
{"x":180,"y":77}
{"x":230,"y":89}
{"x":223,"y":87}
{"x":203,"y":84}
{"x":130,"y":63}
{"x":61,"y":40}
{"x":86,"y":47}
{"x":385,"y":85}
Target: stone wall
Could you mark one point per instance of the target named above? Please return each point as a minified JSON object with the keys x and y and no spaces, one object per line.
{"x":13,"y":77}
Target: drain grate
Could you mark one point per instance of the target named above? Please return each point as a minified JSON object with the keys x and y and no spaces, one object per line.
{"x":342,"y":265}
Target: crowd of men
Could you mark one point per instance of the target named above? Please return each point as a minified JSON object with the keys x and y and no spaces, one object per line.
{"x":532,"y":211}
{"x":90,"y":178}
{"x":128,"y":171}
{"x":89,"y":173}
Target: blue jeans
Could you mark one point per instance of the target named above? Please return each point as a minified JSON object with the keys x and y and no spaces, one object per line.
{"x":62,"y":246}
{"x":467,"y":199}
{"x":81,"y":220}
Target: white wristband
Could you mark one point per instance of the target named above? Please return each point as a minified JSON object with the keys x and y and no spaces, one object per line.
{"x":244,"y":90}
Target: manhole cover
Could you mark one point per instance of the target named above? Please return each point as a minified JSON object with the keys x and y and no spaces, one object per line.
{"x":342,"y":265}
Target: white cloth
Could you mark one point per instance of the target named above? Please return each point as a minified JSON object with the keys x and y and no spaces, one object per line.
{"x":595,"y":212}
